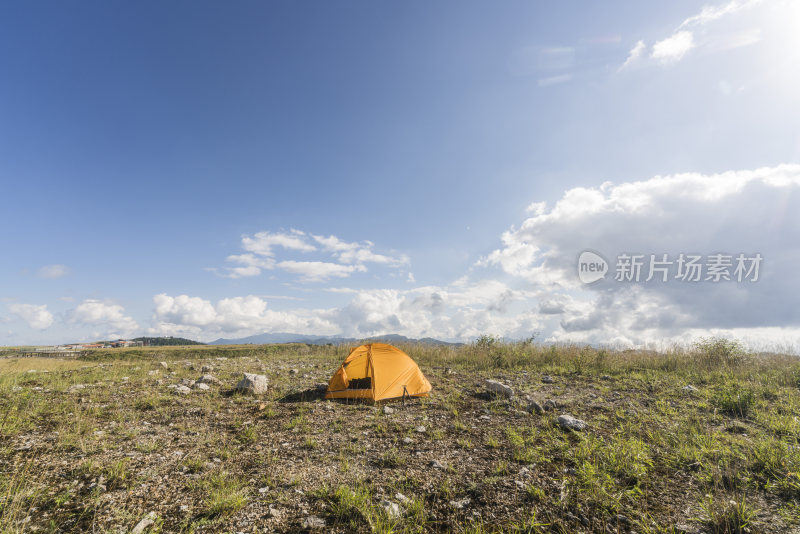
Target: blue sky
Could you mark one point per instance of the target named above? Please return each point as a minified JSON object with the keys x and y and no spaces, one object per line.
{"x":148,"y":149}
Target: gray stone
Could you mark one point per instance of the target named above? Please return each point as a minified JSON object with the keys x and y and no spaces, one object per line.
{"x":571,"y":423}
{"x":402,"y":498}
{"x":141,"y":526}
{"x":689,"y":388}
{"x":407,"y":440}
{"x":547,"y":379}
{"x":550,"y":405}
{"x":437,"y":465}
{"x":164,"y":365}
{"x":209,"y":379}
{"x":253,"y":383}
{"x":313,"y":522}
{"x":392,"y":509}
{"x":499,"y":389}
{"x":460,"y":504}
{"x":206,"y":369}
{"x":201,"y":386}
{"x":388,"y":410}
{"x":420,"y":429}
{"x":183,"y":390}
{"x":535,"y":407}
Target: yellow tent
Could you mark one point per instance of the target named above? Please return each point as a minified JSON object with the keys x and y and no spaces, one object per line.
{"x":377,"y":371}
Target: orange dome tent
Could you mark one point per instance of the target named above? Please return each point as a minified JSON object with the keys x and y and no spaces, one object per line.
{"x":377,"y":371}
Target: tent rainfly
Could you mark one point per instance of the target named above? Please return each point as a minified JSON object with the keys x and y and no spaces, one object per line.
{"x":377,"y":372}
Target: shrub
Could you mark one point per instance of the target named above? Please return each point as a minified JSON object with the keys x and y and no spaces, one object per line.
{"x":734,"y":400}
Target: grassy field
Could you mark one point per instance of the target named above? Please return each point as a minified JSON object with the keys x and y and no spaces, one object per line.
{"x":101,"y":443}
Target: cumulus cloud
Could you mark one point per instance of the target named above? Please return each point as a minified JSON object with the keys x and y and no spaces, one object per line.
{"x":36,"y":315}
{"x":733,"y":212}
{"x":350,"y":257}
{"x":107,"y":317}
{"x":54,"y":271}
{"x":237,"y":316}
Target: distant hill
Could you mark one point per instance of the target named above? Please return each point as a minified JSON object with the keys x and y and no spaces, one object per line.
{"x":165,"y":341}
{"x":264,"y":339}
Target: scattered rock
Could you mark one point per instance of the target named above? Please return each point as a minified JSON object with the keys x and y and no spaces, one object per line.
{"x":202,"y":386}
{"x":76,"y":387}
{"x":499,"y":389}
{"x":407,"y":440}
{"x":164,"y":365}
{"x":421,"y":429}
{"x":154,"y":372}
{"x":437,"y":465}
{"x":209,"y":379}
{"x":689,"y":388}
{"x":550,"y":405}
{"x":605,"y":377}
{"x":293,"y":371}
{"x":183,"y":390}
{"x":392,"y":509}
{"x":188,"y":382}
{"x":313,"y":522}
{"x":388,"y":410}
{"x":568,"y":422}
{"x":535,"y":407}
{"x":547,"y":379}
{"x":206,"y":369}
{"x":460,"y":504}
{"x":141,"y":526}
{"x":275,"y":513}
{"x":254,"y":384}
{"x":402,"y":498}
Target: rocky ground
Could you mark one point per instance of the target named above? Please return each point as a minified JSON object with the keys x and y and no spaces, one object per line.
{"x":163,"y":441}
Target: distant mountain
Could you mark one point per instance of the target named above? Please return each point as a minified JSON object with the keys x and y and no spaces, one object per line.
{"x":166,"y":341}
{"x":264,"y":339}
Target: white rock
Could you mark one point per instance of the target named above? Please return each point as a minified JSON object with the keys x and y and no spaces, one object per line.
{"x":392,"y":509}
{"x":459,"y":505}
{"x":313,"y":522}
{"x":388,"y":410}
{"x":253,"y":383}
{"x":164,"y":365}
{"x":183,"y":390}
{"x":407,"y":440}
{"x":201,"y":386}
{"x":569,"y":422}
{"x":499,"y":389}
{"x":141,"y":526}
{"x":421,"y":429}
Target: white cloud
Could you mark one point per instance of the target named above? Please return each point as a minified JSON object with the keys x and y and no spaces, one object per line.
{"x":37,"y":316}
{"x":314,"y":271}
{"x":350,"y":257}
{"x":357,"y":252}
{"x":732,"y":212}
{"x":237,"y":316}
{"x":712,"y":13}
{"x":633,"y":56}
{"x":54,"y":271}
{"x":262,"y":243}
{"x":108,"y":316}
{"x":674,"y":47}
